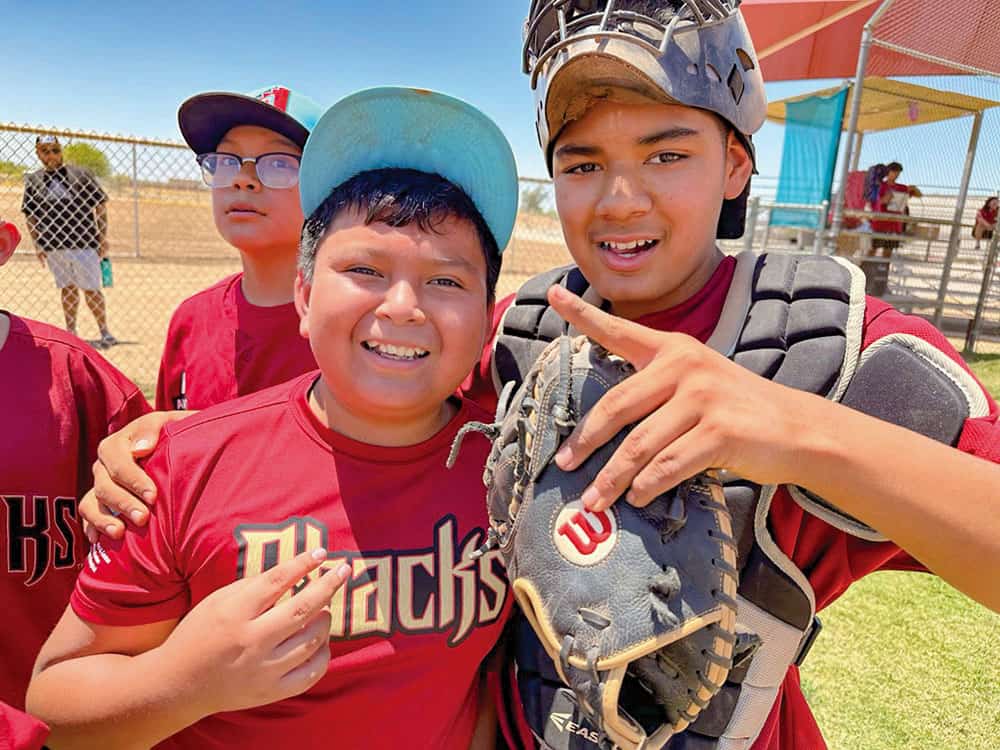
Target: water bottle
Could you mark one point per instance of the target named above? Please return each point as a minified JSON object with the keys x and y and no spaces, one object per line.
{"x":107,"y":278}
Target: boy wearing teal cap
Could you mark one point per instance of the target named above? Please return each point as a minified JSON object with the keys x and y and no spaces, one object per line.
{"x":397,"y":269}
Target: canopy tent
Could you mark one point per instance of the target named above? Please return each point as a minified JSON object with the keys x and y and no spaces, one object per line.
{"x":803,"y":39}
{"x":888,"y":104}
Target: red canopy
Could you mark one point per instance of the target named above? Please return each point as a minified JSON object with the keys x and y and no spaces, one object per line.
{"x":802,"y":39}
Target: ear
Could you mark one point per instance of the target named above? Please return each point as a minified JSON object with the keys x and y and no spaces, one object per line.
{"x":303,"y":292}
{"x":739,"y":166}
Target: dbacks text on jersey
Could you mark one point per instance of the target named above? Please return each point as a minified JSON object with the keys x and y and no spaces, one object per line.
{"x":436,"y":589}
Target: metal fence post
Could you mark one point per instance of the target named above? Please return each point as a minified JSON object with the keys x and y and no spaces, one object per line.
{"x":818,"y":243}
{"x":972,"y":333}
{"x":135,"y":202}
{"x":750,"y":227}
{"x":956,"y":227}
{"x":852,"y":123}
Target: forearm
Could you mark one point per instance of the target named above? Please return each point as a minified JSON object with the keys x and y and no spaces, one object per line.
{"x":101,"y":214}
{"x":110,"y":701}
{"x":937,"y":503}
{"x":32,"y":228}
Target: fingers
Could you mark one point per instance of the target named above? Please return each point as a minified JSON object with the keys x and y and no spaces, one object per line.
{"x":629,"y":340}
{"x":626,"y":403}
{"x":300,"y":647}
{"x":651,"y":437}
{"x":267,"y":588}
{"x":306,"y":674}
{"x":291,"y":615}
{"x":690,"y":454}
{"x":116,"y":500}
{"x":118,"y":452}
{"x":98,"y":519}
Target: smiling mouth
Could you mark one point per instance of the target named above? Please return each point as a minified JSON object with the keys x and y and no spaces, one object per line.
{"x":392,"y":351}
{"x":628,"y":249}
{"x":243,"y":210}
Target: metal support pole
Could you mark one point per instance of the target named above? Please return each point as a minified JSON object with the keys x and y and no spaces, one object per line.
{"x":972,"y":334}
{"x":750,"y":228}
{"x":852,"y":122}
{"x":824,"y":207}
{"x":767,"y":230}
{"x":135,"y":202}
{"x":956,"y":226}
{"x":856,"y":156}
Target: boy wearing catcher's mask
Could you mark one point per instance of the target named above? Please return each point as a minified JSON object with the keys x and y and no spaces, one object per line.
{"x":645,"y":112}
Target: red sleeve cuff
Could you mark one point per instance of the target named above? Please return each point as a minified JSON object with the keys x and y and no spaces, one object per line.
{"x":126,"y":616}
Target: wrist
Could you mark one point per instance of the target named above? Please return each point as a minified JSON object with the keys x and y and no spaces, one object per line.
{"x":818,"y":440}
{"x":186,"y":691}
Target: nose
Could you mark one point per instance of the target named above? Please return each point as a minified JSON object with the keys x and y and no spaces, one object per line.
{"x":246,"y":178}
{"x":625,"y":197}
{"x":401,"y":305}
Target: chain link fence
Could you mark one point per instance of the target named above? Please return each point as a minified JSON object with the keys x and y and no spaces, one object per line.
{"x":161,"y":238}
{"x":164,"y":246}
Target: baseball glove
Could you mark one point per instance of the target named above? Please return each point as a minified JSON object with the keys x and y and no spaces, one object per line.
{"x":635,"y":606}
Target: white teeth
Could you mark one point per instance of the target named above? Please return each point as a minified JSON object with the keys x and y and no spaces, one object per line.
{"x":624,"y":247}
{"x":397,"y":352}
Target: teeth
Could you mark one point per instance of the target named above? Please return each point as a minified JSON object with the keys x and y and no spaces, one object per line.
{"x":625,"y":247}
{"x":397,"y":352}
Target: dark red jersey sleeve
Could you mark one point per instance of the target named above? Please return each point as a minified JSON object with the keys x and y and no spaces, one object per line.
{"x":137,"y":580}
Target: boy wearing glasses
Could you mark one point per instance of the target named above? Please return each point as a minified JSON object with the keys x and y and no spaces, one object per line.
{"x":238,"y":336}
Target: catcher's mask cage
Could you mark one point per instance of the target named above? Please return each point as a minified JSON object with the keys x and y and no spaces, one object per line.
{"x":697,"y":53}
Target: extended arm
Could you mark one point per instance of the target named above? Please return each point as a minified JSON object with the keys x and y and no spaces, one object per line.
{"x":697,"y":410}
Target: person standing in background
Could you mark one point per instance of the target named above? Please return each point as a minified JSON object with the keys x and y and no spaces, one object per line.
{"x":66,"y":212}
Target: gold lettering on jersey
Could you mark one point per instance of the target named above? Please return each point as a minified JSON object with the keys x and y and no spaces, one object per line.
{"x":370,"y":600}
{"x":436,"y":589}
{"x":404,"y":592}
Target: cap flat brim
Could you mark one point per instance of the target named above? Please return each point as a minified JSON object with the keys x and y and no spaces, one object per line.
{"x":204,"y":119}
{"x":406,"y":128}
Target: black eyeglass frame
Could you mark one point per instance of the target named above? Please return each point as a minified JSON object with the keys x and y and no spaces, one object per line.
{"x":245,"y":160}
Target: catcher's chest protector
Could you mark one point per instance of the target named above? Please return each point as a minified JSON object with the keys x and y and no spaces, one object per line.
{"x":798,"y":321}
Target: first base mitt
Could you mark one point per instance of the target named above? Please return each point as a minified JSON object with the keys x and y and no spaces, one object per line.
{"x":635,"y":606}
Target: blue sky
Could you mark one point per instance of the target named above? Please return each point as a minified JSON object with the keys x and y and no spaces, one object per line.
{"x":124,"y":67}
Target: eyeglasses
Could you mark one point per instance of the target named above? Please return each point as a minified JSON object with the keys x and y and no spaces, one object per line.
{"x":276,"y":170}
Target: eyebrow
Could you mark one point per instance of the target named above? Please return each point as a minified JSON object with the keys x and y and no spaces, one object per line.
{"x":446,"y":261}
{"x":670,"y":134}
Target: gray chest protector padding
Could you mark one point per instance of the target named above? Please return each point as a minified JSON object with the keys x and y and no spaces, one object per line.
{"x":796,"y":320}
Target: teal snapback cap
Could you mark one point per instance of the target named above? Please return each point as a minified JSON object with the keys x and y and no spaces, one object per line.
{"x":410,"y":128}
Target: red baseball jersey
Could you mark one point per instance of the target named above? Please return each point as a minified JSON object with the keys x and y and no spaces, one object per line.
{"x":58,"y":398}
{"x":219,"y":346}
{"x":831,"y":559}
{"x":20,"y":731}
{"x":250,"y":483}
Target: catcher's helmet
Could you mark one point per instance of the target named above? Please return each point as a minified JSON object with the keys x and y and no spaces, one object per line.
{"x":692,"y":52}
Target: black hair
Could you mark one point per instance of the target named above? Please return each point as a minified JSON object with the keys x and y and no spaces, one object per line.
{"x":894,"y":166}
{"x":399,"y":197}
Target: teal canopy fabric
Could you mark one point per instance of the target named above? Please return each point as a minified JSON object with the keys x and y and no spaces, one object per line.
{"x":809,"y":155}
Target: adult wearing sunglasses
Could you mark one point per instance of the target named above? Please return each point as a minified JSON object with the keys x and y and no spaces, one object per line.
{"x":240,"y":334}
{"x":66,"y":212}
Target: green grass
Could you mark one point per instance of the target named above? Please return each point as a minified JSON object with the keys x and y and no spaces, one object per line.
{"x":987,"y":369}
{"x":907,"y":662}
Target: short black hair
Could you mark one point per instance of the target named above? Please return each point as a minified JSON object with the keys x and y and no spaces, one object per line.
{"x":894,"y":166}
{"x":399,"y":197}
